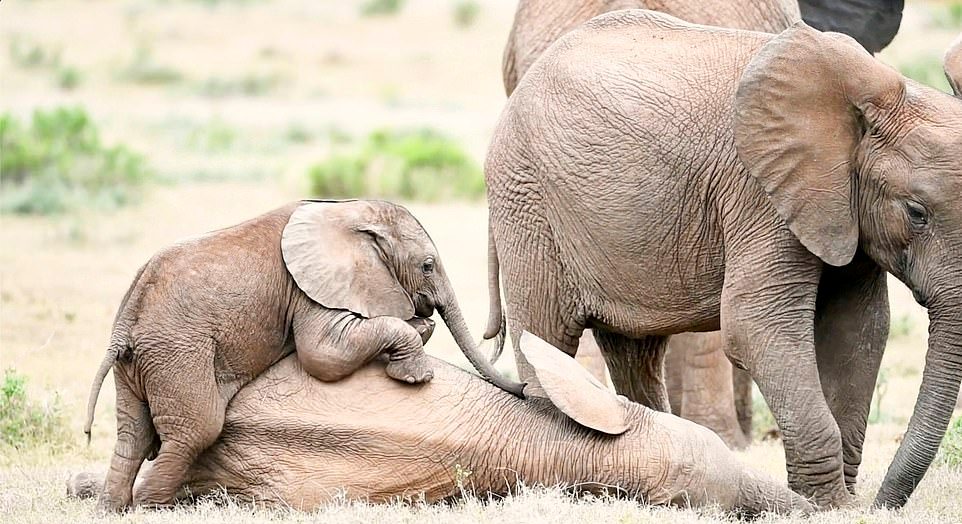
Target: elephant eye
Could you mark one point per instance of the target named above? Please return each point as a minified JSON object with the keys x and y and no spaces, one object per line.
{"x":917,"y":214}
{"x":427,"y":267}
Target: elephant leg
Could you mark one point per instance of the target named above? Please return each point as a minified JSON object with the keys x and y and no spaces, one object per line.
{"x":332,"y":344}
{"x":637,"y":367}
{"x":768,"y":324}
{"x":708,"y":396}
{"x":744,"y":407}
{"x":851,"y":329}
{"x":188,"y":412}
{"x":135,"y":440}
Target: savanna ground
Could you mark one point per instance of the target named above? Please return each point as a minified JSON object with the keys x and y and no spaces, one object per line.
{"x":222,"y":109}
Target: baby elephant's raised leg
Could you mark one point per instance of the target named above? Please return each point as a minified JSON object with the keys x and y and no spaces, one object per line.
{"x":331,"y":346}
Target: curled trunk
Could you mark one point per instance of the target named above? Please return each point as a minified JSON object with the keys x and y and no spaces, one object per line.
{"x":450,"y":312}
{"x":933,"y":410}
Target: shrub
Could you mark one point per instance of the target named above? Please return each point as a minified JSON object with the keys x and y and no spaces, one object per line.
{"x":381,"y":7}
{"x":411,"y":165}
{"x":927,"y":69}
{"x":947,"y":15}
{"x":466,"y":13}
{"x":33,"y":55}
{"x":901,"y":327}
{"x":57,"y":163}
{"x":950,"y":452}
{"x":68,"y":78}
{"x":247,"y":85}
{"x":144,"y":69}
{"x":26,"y":423}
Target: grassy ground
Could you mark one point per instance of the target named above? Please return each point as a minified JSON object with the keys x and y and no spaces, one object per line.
{"x":230,"y":102}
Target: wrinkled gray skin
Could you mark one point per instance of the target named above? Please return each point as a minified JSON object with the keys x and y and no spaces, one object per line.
{"x":765,"y":192}
{"x":207,"y":315}
{"x":292,"y":441}
{"x":538,"y":23}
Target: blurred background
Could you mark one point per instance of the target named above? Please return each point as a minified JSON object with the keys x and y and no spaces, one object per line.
{"x":129,"y":124}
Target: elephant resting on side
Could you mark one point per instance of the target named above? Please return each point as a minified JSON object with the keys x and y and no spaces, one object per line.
{"x":292,"y":440}
{"x":336,"y":282}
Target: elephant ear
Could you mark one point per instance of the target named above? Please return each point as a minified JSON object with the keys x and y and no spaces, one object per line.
{"x":953,"y":66}
{"x":802,"y":106}
{"x":332,"y":250}
{"x":873,"y":23}
{"x":572,"y":389}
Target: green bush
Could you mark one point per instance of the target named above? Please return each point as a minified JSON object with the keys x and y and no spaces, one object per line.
{"x":947,"y":15}
{"x":381,"y":7}
{"x":466,"y":13}
{"x":27,"y":54}
{"x":247,"y":85}
{"x":144,"y":69}
{"x":764,"y":426}
{"x":410,"y":165}
{"x":950,"y":452}
{"x":26,"y":423}
{"x":927,"y":69}
{"x":57,"y":163}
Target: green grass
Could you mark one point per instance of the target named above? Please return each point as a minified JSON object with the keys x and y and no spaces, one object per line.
{"x":421,"y":165}
{"x":26,"y":423}
{"x":56,"y":163}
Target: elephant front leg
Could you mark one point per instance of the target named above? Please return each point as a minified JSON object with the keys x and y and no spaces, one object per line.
{"x":851,"y":329}
{"x":768,"y":325}
{"x":331,"y":345}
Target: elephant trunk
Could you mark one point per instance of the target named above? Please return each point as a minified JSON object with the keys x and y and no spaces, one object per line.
{"x":450,"y":312}
{"x":933,"y":409}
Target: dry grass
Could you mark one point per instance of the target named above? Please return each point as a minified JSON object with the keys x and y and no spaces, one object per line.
{"x":61,"y":279}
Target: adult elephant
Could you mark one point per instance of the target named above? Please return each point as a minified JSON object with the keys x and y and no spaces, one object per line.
{"x":292,"y":441}
{"x":764,"y":192}
{"x":702,"y":385}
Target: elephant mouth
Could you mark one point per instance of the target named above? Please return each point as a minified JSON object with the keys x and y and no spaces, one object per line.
{"x":423,"y":307}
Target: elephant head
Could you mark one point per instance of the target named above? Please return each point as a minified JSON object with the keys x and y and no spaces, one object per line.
{"x":854,"y":156}
{"x":374,"y":258}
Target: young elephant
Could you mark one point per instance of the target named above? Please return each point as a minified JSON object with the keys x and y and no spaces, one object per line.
{"x":337,"y":282}
{"x":292,"y":441}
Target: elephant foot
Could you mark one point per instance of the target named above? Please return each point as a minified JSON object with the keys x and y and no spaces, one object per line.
{"x":106,"y":506}
{"x":411,"y":369}
{"x":424,"y":326}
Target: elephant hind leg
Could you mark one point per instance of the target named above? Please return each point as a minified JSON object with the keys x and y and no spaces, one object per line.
{"x":135,"y":441}
{"x":637,"y":367}
{"x":188,"y":412}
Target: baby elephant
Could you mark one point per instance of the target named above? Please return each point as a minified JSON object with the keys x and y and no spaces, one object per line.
{"x":337,"y":282}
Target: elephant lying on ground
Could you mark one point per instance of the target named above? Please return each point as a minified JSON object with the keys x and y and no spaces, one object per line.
{"x":538,"y":23}
{"x":651,"y":177}
{"x":290,"y":440}
{"x":337,"y":282}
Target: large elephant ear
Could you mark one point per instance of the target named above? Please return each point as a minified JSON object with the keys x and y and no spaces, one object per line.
{"x":572,"y":389}
{"x":332,"y":251}
{"x":953,"y":66}
{"x":802,"y":105}
{"x":873,"y":23}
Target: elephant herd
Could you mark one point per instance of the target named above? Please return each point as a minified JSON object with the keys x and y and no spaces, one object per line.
{"x":720,"y":171}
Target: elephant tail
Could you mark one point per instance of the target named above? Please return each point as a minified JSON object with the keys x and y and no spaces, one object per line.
{"x":118,"y":343}
{"x":496,"y":320}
